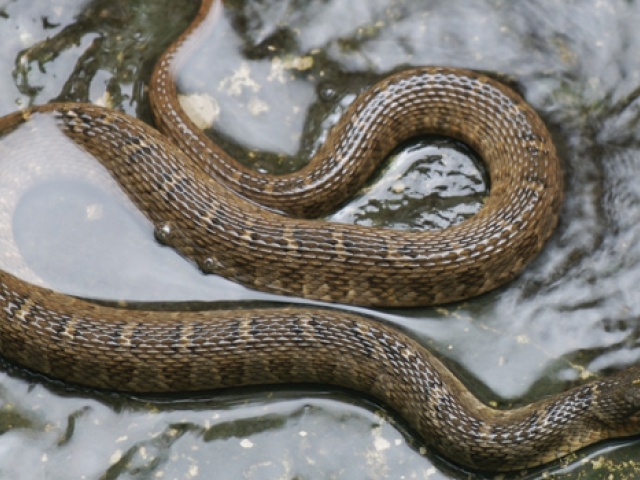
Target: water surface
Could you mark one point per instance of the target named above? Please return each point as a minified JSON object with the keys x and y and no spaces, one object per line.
{"x":281,"y":74}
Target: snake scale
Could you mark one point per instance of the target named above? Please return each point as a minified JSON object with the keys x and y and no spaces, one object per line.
{"x":252,"y":228}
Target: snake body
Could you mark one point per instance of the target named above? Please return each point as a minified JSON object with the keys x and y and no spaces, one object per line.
{"x":214,"y":214}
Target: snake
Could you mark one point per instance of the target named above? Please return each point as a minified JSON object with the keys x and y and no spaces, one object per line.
{"x":262,"y":231}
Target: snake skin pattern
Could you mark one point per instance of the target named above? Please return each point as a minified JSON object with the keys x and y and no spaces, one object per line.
{"x":248,"y":227}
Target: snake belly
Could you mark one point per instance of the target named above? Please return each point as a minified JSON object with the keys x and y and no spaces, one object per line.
{"x":214,"y":213}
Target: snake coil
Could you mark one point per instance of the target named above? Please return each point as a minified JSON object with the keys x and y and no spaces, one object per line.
{"x":211,"y":209}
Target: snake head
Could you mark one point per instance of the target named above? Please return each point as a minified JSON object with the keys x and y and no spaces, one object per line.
{"x":619,"y":402}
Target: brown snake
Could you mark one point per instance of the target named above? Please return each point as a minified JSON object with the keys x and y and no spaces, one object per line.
{"x":195,"y":210}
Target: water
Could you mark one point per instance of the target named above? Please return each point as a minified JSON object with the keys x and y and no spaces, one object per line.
{"x":283,"y":72}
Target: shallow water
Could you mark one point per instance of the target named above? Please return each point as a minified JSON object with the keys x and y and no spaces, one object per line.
{"x":283,"y":72}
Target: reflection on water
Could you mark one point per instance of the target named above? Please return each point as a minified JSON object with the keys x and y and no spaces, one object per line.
{"x":34,"y":156}
{"x":283,"y":72}
{"x":97,"y":243}
{"x":428,"y":184}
